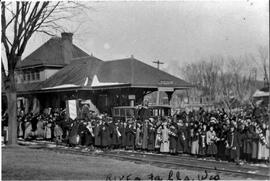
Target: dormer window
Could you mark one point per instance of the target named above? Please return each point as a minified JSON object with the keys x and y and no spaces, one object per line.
{"x":24,"y":77}
{"x":28,"y":76}
{"x":37,"y":75}
{"x":33,"y":75}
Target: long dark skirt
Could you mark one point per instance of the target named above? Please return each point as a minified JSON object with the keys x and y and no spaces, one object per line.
{"x":88,"y":139}
{"x":212,"y":149}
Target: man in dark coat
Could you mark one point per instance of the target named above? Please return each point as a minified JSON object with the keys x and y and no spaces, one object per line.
{"x":234,"y":144}
{"x":115,"y":135}
{"x":151,"y":137}
{"x":145,"y":135}
{"x":222,"y":133}
{"x":130,"y":136}
{"x":81,"y":132}
{"x":181,"y":137}
{"x":97,"y":133}
{"x":105,"y":135}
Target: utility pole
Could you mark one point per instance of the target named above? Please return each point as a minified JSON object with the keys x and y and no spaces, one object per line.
{"x":158,"y":63}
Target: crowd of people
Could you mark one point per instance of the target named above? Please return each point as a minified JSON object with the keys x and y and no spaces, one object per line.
{"x":240,"y":137}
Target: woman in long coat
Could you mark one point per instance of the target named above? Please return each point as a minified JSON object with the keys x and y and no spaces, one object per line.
{"x":105,"y":135}
{"x":151,"y":137}
{"x":263,"y":149}
{"x":97,"y":133}
{"x":195,"y":142}
{"x":255,"y":142}
{"x":138,"y":140}
{"x":164,"y":147}
{"x":210,"y":140}
{"x":58,"y":133}
{"x":247,"y":141}
{"x":234,"y":144}
{"x":48,"y":130}
{"x":28,"y":129}
{"x":89,"y":135}
{"x":74,"y":137}
{"x":202,"y":141}
{"x":145,"y":135}
{"x":40,"y":129}
{"x":158,"y":138}
{"x":20,"y":126}
{"x":115,"y":141}
{"x":130,"y":136}
{"x":181,"y":138}
{"x":173,"y":139}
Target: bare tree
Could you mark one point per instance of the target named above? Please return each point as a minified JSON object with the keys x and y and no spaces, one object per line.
{"x":264,"y":61}
{"x":19,"y":21}
{"x":224,"y":81}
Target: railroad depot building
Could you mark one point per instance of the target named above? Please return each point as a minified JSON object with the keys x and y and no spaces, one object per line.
{"x":59,"y":71}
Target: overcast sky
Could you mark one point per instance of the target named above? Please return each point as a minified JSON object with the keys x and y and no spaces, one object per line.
{"x":172,"y":32}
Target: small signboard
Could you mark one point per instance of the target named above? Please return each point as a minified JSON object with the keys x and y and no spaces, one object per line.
{"x":166,"y":82}
{"x":131,"y":97}
{"x":166,"y":89}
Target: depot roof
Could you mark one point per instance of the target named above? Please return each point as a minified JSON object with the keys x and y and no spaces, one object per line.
{"x":93,"y":73}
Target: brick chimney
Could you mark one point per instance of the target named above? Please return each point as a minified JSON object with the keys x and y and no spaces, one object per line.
{"x":67,"y":46}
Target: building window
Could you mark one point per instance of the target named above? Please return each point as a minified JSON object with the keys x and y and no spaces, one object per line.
{"x":37,"y":75}
{"x":33,"y":75}
{"x":28,"y":76}
{"x":24,"y":77}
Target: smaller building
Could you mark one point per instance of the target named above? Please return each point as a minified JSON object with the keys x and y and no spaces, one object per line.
{"x":262,"y":96}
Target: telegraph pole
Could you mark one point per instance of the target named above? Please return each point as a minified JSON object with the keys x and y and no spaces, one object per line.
{"x":158,"y":63}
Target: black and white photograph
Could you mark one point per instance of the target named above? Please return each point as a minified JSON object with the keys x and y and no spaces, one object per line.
{"x":135,"y":90}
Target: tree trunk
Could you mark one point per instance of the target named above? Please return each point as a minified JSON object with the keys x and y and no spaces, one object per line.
{"x":12,"y":117}
{"x":10,"y":87}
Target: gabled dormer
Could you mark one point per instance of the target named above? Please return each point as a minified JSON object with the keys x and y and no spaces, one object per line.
{"x":48,"y":59}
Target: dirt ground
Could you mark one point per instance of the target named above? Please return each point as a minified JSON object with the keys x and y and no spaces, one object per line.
{"x":24,"y":163}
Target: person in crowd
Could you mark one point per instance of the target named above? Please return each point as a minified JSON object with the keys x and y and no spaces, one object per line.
{"x":74,"y":137}
{"x":89,"y":135}
{"x":151,"y":137}
{"x":211,"y":139}
{"x":236,"y":136}
{"x":139,"y":137}
{"x":115,"y":135}
{"x":181,"y":137}
{"x":58,"y":132}
{"x":145,"y":128}
{"x":105,"y":135}
{"x":233,"y":144}
{"x":195,"y":141}
{"x":255,"y":141}
{"x":263,"y":149}
{"x":164,"y":147}
{"x":48,"y":129}
{"x":122,"y":130}
{"x":97,"y":133}
{"x":158,"y":137}
{"x":173,"y":138}
{"x":130,"y":135}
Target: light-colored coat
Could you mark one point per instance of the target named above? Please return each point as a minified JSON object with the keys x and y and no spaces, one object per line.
{"x":164,"y":147}
{"x":263,"y":151}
